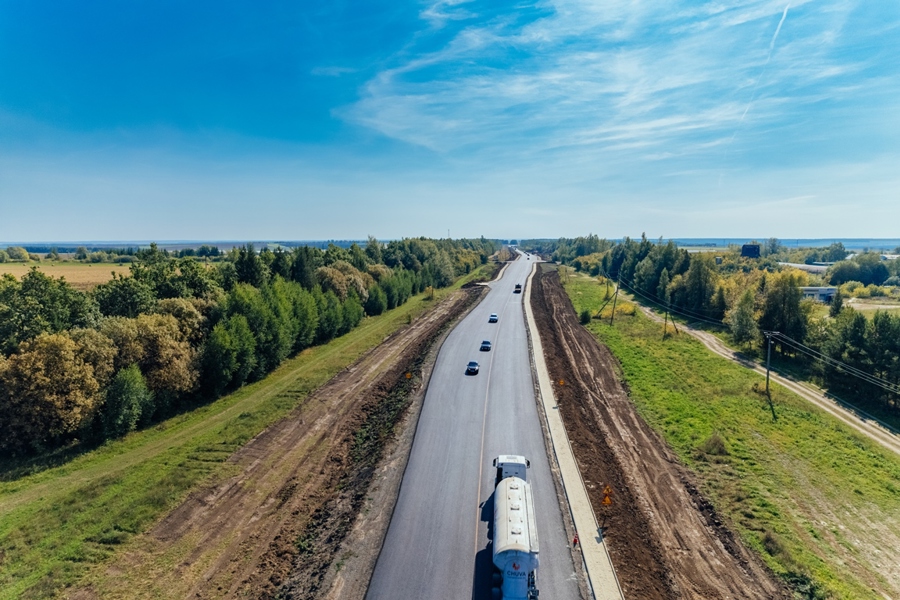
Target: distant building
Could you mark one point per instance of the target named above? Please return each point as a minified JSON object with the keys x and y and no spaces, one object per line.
{"x":750,"y":251}
{"x":819,"y":294}
{"x":817,"y":269}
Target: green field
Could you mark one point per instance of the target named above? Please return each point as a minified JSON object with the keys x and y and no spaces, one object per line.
{"x":59,"y":521}
{"x":819,"y":503}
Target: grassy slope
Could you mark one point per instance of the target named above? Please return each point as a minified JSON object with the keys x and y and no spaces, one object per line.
{"x":819,"y":503}
{"x":58,"y":522}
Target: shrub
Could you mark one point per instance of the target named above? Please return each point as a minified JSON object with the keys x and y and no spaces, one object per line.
{"x":17,"y":253}
{"x":585,"y":317}
{"x":714,"y":445}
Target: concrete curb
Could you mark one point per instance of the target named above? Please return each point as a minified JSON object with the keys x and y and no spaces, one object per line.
{"x":602,"y":580}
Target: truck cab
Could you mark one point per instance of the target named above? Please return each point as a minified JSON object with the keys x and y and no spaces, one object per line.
{"x":510,"y":465}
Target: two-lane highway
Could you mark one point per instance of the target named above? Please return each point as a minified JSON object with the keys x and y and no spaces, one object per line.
{"x":437,"y":545}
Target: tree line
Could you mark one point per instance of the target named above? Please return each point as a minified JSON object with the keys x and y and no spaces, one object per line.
{"x":752,"y":296}
{"x":176,"y":333}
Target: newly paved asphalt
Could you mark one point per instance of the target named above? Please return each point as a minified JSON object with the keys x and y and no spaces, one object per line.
{"x":437,"y":545}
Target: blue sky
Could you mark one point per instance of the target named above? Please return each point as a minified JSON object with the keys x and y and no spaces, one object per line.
{"x":339,"y":119}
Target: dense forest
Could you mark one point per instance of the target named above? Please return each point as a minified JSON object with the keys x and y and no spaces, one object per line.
{"x":178,"y":332}
{"x":751,"y":296}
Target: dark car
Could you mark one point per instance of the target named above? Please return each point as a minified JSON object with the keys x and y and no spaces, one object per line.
{"x":486,"y":346}
{"x":472,"y":368}
{"x":493,"y":318}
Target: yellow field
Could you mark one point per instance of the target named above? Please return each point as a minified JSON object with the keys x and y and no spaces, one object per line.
{"x":82,"y":276}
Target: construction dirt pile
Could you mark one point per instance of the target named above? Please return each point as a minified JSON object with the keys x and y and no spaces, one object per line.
{"x":666,"y":540}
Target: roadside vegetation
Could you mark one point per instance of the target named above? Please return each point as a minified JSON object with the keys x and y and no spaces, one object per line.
{"x":143,"y":359}
{"x":853,"y":354}
{"x":818,"y":502}
{"x":79,"y":368}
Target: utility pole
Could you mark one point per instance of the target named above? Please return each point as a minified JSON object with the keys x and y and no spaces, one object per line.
{"x":768,"y":361}
{"x":666,"y":324}
{"x":616,"y":297}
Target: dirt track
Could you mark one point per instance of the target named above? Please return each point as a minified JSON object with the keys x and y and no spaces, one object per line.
{"x":854,"y":418}
{"x":665,"y":539}
{"x":274,"y":528}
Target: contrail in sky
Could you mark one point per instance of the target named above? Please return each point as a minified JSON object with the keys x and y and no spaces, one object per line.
{"x":777,"y":29}
{"x":759,"y":79}
{"x":768,"y":58}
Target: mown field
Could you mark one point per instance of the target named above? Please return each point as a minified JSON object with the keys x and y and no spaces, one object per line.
{"x":62,"y":517}
{"x":818,"y":502}
{"x":82,"y":276}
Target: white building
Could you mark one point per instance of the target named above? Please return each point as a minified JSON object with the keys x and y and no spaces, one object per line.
{"x":819,"y":294}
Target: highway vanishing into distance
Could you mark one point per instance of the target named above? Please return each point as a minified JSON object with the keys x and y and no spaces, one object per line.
{"x":437,"y":545}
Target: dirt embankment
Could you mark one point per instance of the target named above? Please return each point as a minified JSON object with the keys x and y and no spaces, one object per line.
{"x":665,"y":538}
{"x":274,"y":529}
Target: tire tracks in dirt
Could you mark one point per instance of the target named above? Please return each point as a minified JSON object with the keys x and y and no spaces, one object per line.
{"x":297,"y":489}
{"x":666,"y":540}
{"x":854,"y":418}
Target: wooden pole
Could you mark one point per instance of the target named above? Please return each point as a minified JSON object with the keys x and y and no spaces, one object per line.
{"x":616,"y":297}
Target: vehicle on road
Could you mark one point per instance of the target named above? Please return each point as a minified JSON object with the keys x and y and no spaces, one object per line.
{"x":485,"y":346}
{"x":493,"y":318}
{"x":515,"y":539}
{"x":518,"y":289}
{"x":472,"y":368}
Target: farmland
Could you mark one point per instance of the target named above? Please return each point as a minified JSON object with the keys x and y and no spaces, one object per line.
{"x":82,"y":276}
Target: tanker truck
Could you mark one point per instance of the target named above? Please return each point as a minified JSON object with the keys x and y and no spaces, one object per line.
{"x":515,"y":538}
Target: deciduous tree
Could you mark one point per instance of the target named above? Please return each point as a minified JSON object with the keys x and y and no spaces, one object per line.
{"x":741,"y":320}
{"x":47,"y":393}
{"x":127,"y":398}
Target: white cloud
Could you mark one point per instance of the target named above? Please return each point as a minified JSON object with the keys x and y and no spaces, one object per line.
{"x":608,"y":78}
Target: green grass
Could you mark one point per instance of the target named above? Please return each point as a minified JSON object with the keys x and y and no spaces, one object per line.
{"x":59,"y":522}
{"x":819,"y":503}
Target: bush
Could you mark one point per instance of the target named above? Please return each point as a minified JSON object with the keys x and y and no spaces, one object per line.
{"x":17,"y":253}
{"x":714,"y":445}
{"x":585,"y":317}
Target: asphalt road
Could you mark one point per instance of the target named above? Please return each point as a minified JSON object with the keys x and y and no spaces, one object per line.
{"x":437,"y":545}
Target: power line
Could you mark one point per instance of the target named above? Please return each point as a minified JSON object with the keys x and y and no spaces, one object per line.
{"x":777,"y":335}
{"x":781,"y":338}
{"x":681,"y":311}
{"x":849,"y":369}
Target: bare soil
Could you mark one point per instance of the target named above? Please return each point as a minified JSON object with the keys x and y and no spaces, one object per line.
{"x":274,"y":529}
{"x":665,"y":539}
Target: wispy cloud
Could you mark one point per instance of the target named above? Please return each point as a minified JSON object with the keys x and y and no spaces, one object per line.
{"x":439,"y":12}
{"x":332,"y":71}
{"x":611,"y":79}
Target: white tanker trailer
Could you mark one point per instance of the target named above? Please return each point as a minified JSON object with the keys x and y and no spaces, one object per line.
{"x":515,"y":539}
